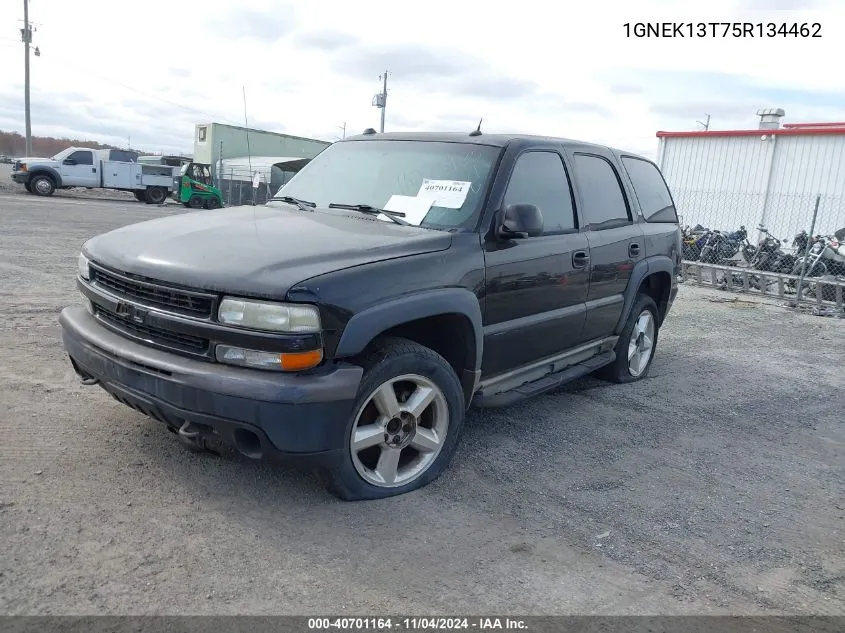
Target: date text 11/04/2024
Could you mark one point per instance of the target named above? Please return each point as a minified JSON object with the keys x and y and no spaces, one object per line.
{"x":415,"y":623}
{"x":722,"y":29}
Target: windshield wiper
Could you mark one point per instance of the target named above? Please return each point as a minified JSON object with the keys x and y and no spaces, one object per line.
{"x":396,"y":216}
{"x":304,"y":205}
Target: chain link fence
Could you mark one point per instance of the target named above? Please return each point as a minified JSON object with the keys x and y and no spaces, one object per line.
{"x":779,"y":233}
{"x":237,"y":187}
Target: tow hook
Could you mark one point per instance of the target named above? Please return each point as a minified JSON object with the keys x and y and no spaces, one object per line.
{"x":195,"y":437}
{"x":89,"y":381}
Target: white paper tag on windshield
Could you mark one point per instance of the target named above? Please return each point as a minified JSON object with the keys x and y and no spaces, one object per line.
{"x":449,"y":194}
{"x":415,"y":209}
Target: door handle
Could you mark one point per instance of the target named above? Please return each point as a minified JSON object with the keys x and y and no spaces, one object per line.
{"x":580,"y":259}
{"x":93,"y":170}
{"x":633,"y":249}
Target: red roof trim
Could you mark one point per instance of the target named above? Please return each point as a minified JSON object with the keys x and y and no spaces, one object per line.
{"x":785,"y":131}
{"x":831,"y":124}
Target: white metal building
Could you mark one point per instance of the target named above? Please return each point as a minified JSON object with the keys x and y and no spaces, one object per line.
{"x":769,"y":175}
{"x":213,"y":141}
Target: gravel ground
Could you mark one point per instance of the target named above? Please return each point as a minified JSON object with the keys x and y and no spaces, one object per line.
{"x":714,"y":486}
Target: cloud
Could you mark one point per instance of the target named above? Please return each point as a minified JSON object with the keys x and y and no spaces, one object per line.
{"x":325,"y":40}
{"x":442,"y":70}
{"x":308,"y":68}
{"x":777,"y":5}
{"x":264,"y":26}
{"x":626,"y":89}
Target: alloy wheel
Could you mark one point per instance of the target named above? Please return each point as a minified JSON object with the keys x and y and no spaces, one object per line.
{"x":399,"y":431}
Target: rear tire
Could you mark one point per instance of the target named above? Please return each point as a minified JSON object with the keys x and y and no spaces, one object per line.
{"x":748,"y":252}
{"x":637,"y":344}
{"x":392,"y":445}
{"x":42,"y":185}
{"x":155,"y":195}
{"x":212,"y":203}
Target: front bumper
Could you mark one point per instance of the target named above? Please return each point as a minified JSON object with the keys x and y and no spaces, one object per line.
{"x":20,"y":177}
{"x":291,"y":415}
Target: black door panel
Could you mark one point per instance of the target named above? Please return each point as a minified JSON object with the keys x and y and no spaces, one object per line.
{"x":536,"y":287}
{"x":616,"y":242}
{"x":534,"y":300}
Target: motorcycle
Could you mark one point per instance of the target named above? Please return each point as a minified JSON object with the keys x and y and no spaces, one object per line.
{"x":719,"y":246}
{"x":693,"y":240}
{"x":770,"y":256}
{"x":767,"y":256}
{"x":826,"y":256}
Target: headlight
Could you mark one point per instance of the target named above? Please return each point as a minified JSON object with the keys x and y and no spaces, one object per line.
{"x":82,"y":267}
{"x":266,"y":315}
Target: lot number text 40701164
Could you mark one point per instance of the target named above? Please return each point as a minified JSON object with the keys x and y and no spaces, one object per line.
{"x":722,"y":29}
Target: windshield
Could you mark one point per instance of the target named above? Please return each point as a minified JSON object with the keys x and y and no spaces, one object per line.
{"x":61,"y":155}
{"x":437,"y":185}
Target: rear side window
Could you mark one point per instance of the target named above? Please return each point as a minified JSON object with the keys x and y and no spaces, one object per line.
{"x":123,"y":156}
{"x":603,"y":203}
{"x":539,"y":178}
{"x":82,"y":158}
{"x":651,"y":190}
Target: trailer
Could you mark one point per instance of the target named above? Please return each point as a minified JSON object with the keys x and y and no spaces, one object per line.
{"x":95,"y":169}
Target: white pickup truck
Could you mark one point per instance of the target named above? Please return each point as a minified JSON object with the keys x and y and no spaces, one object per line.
{"x":95,"y":169}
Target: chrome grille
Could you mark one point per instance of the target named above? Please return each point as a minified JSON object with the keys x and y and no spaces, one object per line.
{"x":153,"y":294}
{"x":149,"y":334}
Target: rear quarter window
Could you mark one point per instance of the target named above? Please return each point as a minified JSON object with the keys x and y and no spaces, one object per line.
{"x":651,"y":190}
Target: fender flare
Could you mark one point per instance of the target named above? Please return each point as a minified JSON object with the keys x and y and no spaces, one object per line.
{"x":642,"y":269}
{"x":48,"y":170}
{"x":368,"y":324}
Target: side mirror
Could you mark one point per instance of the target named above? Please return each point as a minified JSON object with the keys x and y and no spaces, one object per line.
{"x":519,"y":221}
{"x":69,"y":161}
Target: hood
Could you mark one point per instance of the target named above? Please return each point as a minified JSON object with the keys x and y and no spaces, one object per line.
{"x":255,"y":251}
{"x":32,"y":159}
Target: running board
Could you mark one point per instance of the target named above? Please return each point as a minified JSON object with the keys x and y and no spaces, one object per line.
{"x":544,"y":384}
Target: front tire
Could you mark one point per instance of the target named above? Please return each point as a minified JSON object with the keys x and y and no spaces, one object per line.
{"x":195,"y":202}
{"x":637,"y":343}
{"x":42,"y":185}
{"x":406,"y":422}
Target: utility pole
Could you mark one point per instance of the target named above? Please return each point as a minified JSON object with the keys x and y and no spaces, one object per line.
{"x":705,"y":123}
{"x":380,"y":100}
{"x":383,"y":101}
{"x":26,"y":35}
{"x":342,"y":128}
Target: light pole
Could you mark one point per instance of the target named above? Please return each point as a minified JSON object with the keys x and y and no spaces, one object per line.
{"x":26,"y":36}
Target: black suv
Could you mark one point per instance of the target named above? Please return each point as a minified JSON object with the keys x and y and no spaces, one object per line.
{"x":395,"y":281}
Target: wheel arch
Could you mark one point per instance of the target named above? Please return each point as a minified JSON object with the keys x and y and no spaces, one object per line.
{"x":447,"y":321}
{"x":46,"y":171}
{"x":652,"y":276}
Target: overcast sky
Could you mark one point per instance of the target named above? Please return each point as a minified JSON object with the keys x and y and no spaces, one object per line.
{"x":150,"y":70}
